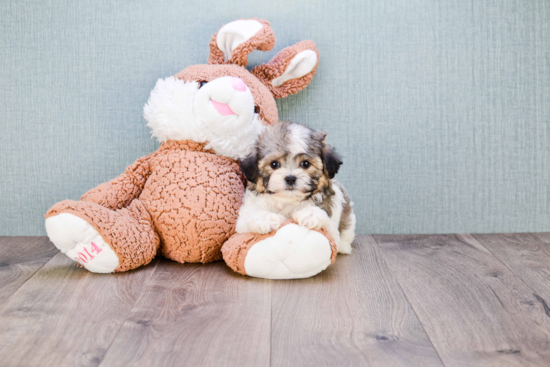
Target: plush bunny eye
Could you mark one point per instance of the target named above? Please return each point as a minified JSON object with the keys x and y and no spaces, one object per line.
{"x":256,"y":109}
{"x":305,"y":164}
{"x":202,"y":84}
{"x":275,"y":165}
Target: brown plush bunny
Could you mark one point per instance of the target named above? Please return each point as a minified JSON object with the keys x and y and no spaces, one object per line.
{"x":182,"y":201}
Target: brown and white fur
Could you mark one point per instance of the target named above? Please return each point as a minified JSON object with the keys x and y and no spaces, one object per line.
{"x":290,"y":176}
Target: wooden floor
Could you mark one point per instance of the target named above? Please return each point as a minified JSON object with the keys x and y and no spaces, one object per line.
{"x":439,"y":300}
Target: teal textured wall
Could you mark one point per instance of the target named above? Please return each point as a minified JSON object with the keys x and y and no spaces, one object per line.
{"x":441,"y":109}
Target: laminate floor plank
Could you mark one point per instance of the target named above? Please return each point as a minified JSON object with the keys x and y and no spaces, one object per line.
{"x":20,"y":258}
{"x":196,"y":315}
{"x":482,"y":300}
{"x":65,"y":315}
{"x":352,"y":314}
{"x":527,"y":255}
{"x":475,"y":310}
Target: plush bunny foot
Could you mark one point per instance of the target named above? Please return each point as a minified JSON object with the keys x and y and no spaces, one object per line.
{"x":291,"y":252}
{"x":103,"y":240}
{"x":81,"y":242}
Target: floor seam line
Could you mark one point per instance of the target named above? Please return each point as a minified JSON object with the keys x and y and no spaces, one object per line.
{"x":408,"y":300}
{"x":534,"y":292}
{"x":271,"y":323}
{"x":128,"y":314}
{"x":29,"y":278}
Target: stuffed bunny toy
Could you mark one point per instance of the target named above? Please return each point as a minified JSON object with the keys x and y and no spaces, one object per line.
{"x":182,"y":201}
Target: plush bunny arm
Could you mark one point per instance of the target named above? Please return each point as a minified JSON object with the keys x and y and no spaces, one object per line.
{"x":120,"y":191}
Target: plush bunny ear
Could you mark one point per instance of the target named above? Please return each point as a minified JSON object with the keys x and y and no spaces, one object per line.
{"x":235,"y":40}
{"x":291,"y":70}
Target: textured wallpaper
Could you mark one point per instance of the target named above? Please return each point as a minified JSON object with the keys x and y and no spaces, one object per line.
{"x":441,"y":109}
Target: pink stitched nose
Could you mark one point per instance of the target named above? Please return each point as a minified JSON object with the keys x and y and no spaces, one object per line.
{"x":238,"y":84}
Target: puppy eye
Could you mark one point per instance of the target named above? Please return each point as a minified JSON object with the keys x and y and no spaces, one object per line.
{"x":202,"y":84}
{"x":275,"y":165}
{"x":256,"y":109}
{"x":305,"y":164}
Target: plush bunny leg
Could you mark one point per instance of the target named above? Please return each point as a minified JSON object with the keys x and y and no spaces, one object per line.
{"x":291,"y":252}
{"x":103,"y":240}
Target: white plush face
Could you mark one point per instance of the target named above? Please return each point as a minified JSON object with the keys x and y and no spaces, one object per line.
{"x":220,"y":112}
{"x":224,"y":105}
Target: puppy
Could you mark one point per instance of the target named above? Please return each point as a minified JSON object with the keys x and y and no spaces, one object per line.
{"x":290,"y":175}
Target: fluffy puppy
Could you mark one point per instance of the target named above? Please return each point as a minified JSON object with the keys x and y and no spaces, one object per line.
{"x":290,"y":175}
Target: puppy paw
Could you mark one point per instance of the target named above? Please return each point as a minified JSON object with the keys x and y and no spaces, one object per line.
{"x":266,"y":224}
{"x":311,"y":217}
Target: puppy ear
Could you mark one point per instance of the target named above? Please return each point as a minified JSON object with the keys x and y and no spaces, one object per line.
{"x":291,"y":70}
{"x":332,"y":160}
{"x":235,"y":40}
{"x":249,"y":166}
{"x":319,"y":136}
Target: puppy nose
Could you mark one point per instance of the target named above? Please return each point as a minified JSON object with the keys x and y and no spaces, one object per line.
{"x":238,"y":84}
{"x":290,"y":180}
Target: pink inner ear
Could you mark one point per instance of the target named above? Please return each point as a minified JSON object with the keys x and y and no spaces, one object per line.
{"x":222,"y":108}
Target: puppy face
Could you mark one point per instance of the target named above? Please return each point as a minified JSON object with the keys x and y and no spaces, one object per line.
{"x":291,"y":160}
